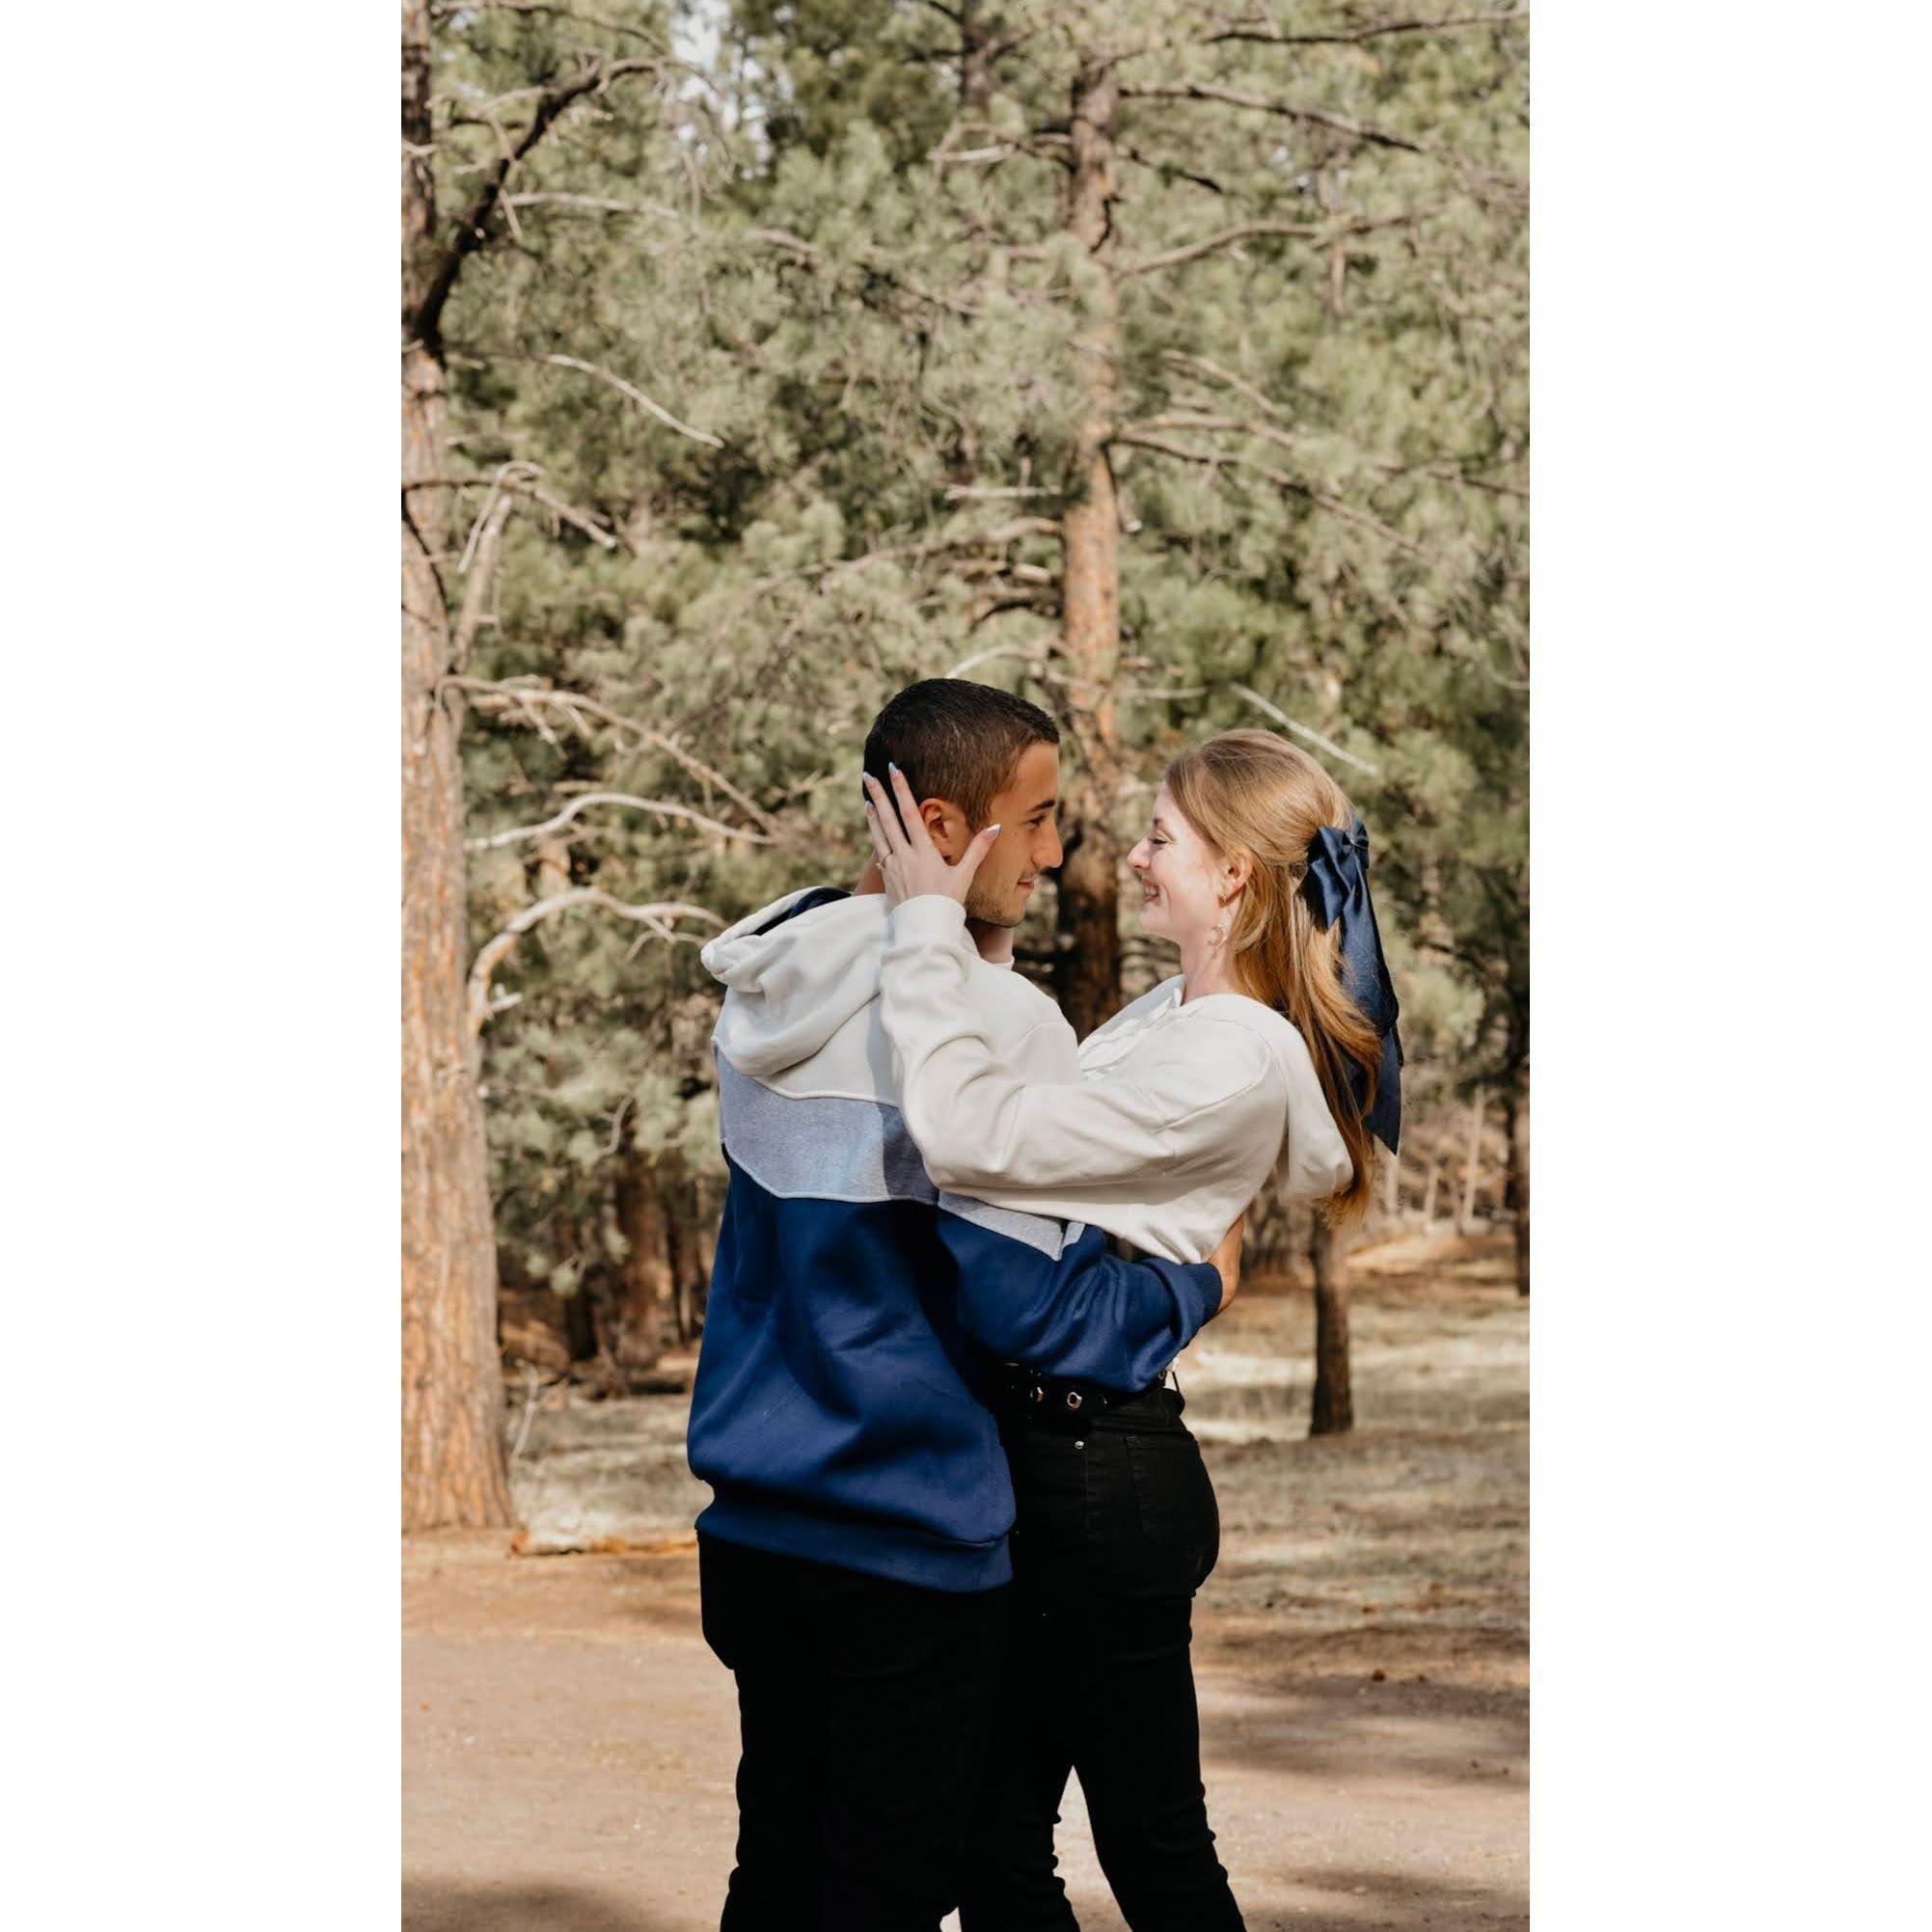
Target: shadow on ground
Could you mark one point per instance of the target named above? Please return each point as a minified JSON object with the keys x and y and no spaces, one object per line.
{"x":440,"y":1906}
{"x":1400,"y":1901}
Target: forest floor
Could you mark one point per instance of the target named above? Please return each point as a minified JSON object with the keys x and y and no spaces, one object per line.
{"x":1362,"y":1649}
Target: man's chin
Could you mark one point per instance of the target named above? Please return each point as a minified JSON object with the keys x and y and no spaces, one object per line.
{"x":996,"y":916}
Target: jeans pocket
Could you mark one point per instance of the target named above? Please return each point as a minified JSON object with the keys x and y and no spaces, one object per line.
{"x":1174,"y":1503}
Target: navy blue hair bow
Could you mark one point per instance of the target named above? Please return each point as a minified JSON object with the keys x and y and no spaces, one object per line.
{"x":1337,"y":888}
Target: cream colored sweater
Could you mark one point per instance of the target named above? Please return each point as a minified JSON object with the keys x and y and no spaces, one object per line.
{"x":1173,"y":1126}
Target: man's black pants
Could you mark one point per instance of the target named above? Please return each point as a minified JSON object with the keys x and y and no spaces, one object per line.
{"x":863,"y":1707}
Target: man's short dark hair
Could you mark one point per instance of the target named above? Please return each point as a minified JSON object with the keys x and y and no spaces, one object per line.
{"x":956,"y":741}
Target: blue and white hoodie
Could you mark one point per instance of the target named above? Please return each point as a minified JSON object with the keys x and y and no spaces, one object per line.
{"x":855,"y":1309}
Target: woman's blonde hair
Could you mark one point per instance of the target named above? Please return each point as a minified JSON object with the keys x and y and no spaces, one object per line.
{"x":1254,"y":796}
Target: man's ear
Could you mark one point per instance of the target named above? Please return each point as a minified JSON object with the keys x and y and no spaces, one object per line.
{"x":944,"y":827}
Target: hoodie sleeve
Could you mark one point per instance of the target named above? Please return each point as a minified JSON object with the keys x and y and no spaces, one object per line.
{"x":1080,"y":1311}
{"x":1165,"y":1148}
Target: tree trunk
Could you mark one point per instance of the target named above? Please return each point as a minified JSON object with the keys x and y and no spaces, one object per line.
{"x":1516,"y":1184}
{"x":453,"y":1469}
{"x":644,"y":1218}
{"x":579,"y":1322}
{"x":1472,"y":1169}
{"x":1087,"y":960}
{"x":1333,"y":1410}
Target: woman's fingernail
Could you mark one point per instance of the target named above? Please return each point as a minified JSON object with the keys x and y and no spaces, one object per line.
{"x":994,"y":829}
{"x":890,"y":765}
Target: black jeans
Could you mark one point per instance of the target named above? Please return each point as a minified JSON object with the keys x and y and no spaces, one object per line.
{"x":863,"y":1707}
{"x":1117,"y":1529}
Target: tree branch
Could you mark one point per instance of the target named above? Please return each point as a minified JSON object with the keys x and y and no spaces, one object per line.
{"x":1325,"y":234}
{"x":472,"y":226}
{"x":1307,"y":731}
{"x":514,"y":695}
{"x":636,"y":394}
{"x":1282,"y":481}
{"x":1315,"y":116}
{"x":526,"y":485}
{"x":664,"y":809}
{"x":1273,"y":37}
{"x":495,"y":948}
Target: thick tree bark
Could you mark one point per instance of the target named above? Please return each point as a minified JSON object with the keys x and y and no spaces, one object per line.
{"x":1333,"y":1409}
{"x":1087,"y":959}
{"x":453,"y":1469}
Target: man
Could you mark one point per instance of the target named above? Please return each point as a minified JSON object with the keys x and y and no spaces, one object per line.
{"x":854,"y":1564}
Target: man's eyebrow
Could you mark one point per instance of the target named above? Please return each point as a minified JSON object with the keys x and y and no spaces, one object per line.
{"x":1046,"y":805}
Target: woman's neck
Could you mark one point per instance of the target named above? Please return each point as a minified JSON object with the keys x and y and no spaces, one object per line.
{"x":1205,"y":968}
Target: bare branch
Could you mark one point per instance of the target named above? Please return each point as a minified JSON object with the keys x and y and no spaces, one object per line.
{"x":661,"y":807}
{"x":1273,"y":37}
{"x":1128,"y":152}
{"x":1314,"y":736}
{"x":804,"y":251}
{"x":1182,"y":359}
{"x":965,"y":665}
{"x":1326,"y":234}
{"x":495,"y":949}
{"x":601,"y":204}
{"x":515,"y":694}
{"x":1282,"y":481}
{"x":636,"y":396}
{"x":480,"y":561}
{"x":1315,"y":116}
{"x":526,"y":485}
{"x":473,"y":225}
{"x":1001,"y":533}
{"x":447,"y":7}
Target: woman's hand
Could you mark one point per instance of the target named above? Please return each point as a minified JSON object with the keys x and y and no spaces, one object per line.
{"x":1228,"y":1259}
{"x":912,"y":864}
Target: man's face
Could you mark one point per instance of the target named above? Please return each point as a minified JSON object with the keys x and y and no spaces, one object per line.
{"x":1028,"y":842}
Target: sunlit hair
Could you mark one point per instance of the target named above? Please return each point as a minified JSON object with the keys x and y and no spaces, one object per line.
{"x":1252,"y":795}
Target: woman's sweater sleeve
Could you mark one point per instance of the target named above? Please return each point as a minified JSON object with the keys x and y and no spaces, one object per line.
{"x":1191,"y":1109}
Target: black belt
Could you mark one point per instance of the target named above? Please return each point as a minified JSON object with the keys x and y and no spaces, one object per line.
{"x":1020,"y":1391}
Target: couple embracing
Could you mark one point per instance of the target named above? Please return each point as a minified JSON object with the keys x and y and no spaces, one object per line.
{"x":958,"y":1520}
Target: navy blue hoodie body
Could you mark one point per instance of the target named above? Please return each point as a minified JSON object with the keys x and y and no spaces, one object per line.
{"x":855,"y":1309}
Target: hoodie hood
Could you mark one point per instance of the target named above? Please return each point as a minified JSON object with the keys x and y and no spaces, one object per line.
{"x":798,"y":976}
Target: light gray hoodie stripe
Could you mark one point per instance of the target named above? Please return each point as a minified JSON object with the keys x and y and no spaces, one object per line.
{"x":821,"y":1148}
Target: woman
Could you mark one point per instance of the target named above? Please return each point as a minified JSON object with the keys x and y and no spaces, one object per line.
{"x":1280,"y":1026}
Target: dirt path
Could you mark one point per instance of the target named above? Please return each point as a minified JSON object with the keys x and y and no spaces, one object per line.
{"x":569,"y":1742}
